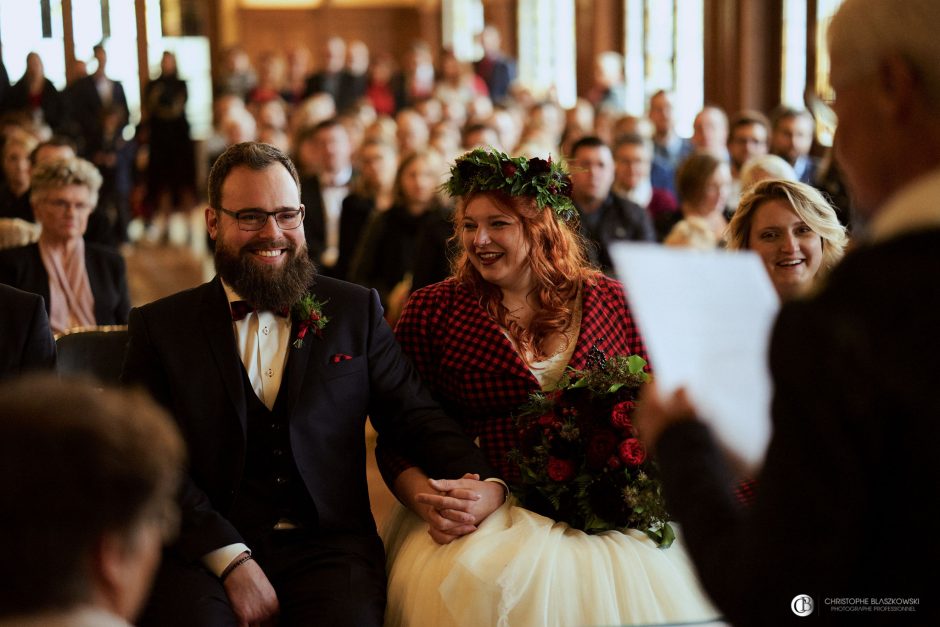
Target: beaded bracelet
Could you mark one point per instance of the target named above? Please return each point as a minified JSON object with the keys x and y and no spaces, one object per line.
{"x":228,"y":569}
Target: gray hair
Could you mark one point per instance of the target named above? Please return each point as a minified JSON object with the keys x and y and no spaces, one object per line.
{"x":63,"y":172}
{"x":864,"y":31}
{"x":765,"y":167}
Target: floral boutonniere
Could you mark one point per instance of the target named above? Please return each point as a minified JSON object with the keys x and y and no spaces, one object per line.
{"x":308,"y":312}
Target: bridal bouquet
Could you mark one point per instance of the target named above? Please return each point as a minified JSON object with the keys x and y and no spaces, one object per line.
{"x":579,"y":457}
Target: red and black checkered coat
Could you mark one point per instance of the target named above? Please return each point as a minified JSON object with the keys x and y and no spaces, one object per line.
{"x":475,"y":373}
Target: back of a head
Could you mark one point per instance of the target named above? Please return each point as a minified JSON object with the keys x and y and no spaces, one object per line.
{"x":75,"y":464}
{"x":863,"y":32}
{"x":766,"y":167}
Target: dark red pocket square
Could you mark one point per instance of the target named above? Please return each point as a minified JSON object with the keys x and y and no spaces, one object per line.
{"x":338,"y":357}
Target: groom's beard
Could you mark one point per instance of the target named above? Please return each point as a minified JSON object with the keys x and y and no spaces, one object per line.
{"x":265,"y":286}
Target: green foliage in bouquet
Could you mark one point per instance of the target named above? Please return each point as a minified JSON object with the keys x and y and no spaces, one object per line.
{"x":580,"y":459}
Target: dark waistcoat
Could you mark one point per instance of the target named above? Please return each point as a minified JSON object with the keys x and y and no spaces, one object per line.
{"x":271,"y":487}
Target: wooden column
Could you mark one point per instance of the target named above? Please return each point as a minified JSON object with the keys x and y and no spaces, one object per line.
{"x":743,"y":46}
{"x":504,"y":15}
{"x":599,"y":27}
{"x":143,"y":64}
{"x":68,"y":41}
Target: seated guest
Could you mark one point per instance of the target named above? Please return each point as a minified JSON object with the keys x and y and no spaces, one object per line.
{"x":83,"y":284}
{"x":605,"y":217}
{"x":377,"y":161}
{"x":386,"y":255}
{"x":759,"y":169}
{"x":14,"y":196}
{"x":25,"y":337}
{"x":704,"y":182}
{"x":522,"y":306}
{"x":794,"y":230}
{"x":60,"y":147}
{"x":633,"y":162}
{"x":87,"y":489}
{"x":710,"y":132}
{"x":791,"y":138}
{"x":765,"y":167}
{"x":747,"y":139}
{"x":670,"y":149}
{"x":692,"y":232}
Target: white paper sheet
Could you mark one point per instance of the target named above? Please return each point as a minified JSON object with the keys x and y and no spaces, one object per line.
{"x":706,"y":319}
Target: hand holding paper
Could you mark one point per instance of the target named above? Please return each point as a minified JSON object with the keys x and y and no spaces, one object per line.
{"x":706,"y":319}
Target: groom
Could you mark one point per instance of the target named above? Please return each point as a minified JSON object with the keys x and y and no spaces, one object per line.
{"x":275,"y":508}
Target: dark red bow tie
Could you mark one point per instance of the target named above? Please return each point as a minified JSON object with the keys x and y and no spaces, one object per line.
{"x":241,"y":308}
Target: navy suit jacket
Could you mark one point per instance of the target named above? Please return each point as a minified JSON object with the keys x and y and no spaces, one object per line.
{"x":182,"y":349}
{"x":25,"y":337}
{"x":23,"y":268}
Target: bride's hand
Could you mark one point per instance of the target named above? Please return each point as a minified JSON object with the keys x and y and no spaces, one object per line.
{"x":456,"y":498}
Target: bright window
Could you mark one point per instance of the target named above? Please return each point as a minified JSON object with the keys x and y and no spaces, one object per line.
{"x":665,"y":44}
{"x":21,"y":33}
{"x":461,"y":21}
{"x":547,"y":49}
{"x":121,"y":45}
{"x":793,"y":83}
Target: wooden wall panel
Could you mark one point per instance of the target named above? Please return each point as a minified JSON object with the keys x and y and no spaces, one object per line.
{"x":503,"y":14}
{"x":742,"y":54}
{"x":382,"y":29}
{"x":599,"y":27}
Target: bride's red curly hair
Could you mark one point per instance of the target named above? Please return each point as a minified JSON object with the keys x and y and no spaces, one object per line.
{"x":559,"y":266}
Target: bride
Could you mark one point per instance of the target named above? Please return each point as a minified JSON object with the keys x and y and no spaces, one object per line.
{"x":522,"y":306}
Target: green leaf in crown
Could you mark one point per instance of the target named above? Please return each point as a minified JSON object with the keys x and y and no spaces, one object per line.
{"x":483,"y":170}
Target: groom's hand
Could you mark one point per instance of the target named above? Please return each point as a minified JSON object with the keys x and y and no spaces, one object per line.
{"x":251,"y":595}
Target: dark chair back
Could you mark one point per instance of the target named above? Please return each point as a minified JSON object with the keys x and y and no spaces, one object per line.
{"x":94,"y":351}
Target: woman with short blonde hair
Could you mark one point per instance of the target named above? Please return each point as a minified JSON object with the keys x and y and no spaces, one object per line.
{"x":793,"y":228}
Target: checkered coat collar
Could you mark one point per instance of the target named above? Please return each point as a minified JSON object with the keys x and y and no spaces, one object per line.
{"x":488,"y":347}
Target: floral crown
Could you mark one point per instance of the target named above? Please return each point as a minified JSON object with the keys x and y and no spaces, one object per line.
{"x":489,"y":170}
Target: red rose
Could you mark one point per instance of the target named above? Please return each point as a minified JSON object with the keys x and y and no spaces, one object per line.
{"x":632,"y":452}
{"x":614,"y":462}
{"x":509,"y":170}
{"x":620,"y":415}
{"x":600,"y":447}
{"x":560,"y":469}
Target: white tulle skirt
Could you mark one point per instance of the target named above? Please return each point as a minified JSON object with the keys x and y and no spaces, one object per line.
{"x":520,"y":569}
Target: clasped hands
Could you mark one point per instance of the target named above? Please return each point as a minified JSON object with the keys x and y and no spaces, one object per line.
{"x":451,"y":507}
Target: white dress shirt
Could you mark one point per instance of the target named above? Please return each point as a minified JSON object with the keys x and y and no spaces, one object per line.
{"x":262,"y":339}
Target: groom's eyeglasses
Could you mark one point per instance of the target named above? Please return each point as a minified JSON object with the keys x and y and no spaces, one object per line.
{"x":254,"y":220}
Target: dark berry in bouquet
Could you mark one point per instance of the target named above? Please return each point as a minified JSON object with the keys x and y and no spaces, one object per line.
{"x":579,"y":456}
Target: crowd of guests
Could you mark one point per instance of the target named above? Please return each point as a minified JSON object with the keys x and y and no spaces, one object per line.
{"x":372,"y":143}
{"x":497,"y":287}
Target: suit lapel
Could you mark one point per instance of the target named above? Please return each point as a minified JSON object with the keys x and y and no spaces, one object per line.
{"x":217,"y":326}
{"x":298,"y":360}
